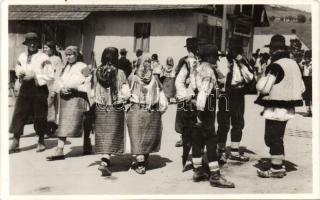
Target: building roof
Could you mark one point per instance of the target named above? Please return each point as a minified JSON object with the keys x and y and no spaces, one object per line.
{"x":96,"y":8}
{"x":44,"y":15}
{"x":80,"y":12}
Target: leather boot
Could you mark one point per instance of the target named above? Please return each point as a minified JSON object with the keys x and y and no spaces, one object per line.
{"x":216,"y":180}
{"x":199,"y":174}
{"x":14,"y":147}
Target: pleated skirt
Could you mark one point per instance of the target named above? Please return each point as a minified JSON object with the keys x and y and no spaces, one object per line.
{"x":109,"y":130}
{"x":145,"y":131}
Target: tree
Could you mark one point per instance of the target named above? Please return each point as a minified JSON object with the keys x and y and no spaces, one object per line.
{"x":310,"y":19}
{"x":301,"y":18}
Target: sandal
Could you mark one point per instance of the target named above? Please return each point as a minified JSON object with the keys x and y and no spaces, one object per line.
{"x":139,"y":167}
{"x":103,"y":168}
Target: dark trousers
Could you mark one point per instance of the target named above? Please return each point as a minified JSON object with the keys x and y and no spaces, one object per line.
{"x":231,"y":110}
{"x":27,"y":105}
{"x":201,"y":138}
{"x":274,"y":132}
{"x":204,"y":135}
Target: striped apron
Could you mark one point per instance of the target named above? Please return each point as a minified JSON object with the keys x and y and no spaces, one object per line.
{"x":109,"y":130}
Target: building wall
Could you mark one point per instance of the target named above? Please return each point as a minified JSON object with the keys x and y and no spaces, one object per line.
{"x":169,"y":30}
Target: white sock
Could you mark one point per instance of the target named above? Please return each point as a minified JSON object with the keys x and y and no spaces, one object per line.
{"x":214,"y":166}
{"x":197,"y":162}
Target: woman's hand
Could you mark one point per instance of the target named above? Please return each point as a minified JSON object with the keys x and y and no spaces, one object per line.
{"x":65,"y":90}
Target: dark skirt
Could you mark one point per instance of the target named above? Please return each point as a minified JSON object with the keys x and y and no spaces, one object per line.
{"x":71,"y":116}
{"x":307,"y":95}
{"x":109,"y":130}
{"x":169,"y":87}
{"x":145,"y":130}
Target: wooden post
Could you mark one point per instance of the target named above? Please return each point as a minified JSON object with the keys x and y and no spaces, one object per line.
{"x":224,"y":29}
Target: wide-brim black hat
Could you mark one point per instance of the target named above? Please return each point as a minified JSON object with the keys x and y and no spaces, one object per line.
{"x":191,"y":42}
{"x":277,"y":41}
{"x":30,"y":37}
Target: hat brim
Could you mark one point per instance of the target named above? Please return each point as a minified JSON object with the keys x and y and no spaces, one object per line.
{"x":268,"y":45}
{"x":26,"y":42}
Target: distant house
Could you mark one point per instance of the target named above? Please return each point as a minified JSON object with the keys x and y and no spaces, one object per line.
{"x":160,"y":29}
{"x":260,"y":40}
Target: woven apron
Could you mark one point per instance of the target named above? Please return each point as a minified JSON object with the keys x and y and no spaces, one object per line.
{"x":52,"y":108}
{"x":145,"y":131}
{"x":169,"y":87}
{"x":71,"y":116}
{"x":109,"y":130}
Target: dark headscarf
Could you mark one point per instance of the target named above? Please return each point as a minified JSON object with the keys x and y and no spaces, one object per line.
{"x":107,"y":71}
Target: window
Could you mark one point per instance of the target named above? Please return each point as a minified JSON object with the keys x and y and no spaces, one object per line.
{"x":243,"y":30}
{"x":142,"y":36}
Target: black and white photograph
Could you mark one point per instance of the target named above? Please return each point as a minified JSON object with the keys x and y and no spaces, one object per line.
{"x":181,"y":100}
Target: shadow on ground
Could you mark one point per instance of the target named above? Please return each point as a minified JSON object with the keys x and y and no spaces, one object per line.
{"x":123,"y":162}
{"x":265,"y":164}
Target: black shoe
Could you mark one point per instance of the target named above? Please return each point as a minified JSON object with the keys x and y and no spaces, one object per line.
{"x":216,"y":180}
{"x":179,"y":143}
{"x":103,"y":167}
{"x":241,"y":158}
{"x":200,"y":175}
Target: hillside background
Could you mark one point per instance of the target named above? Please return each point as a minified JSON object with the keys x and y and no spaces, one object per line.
{"x":303,"y":30}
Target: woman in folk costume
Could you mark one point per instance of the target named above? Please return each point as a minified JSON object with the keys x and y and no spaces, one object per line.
{"x":280,"y":92}
{"x":198,"y":87}
{"x":72,"y":87}
{"x":49,"y":48}
{"x":169,"y":74}
{"x":111,"y":93}
{"x":144,"y":115}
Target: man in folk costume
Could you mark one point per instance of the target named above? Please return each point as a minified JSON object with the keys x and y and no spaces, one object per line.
{"x":280,"y":92}
{"x":232,"y":103}
{"x":180,"y":122}
{"x":197,"y":87}
{"x":111,"y":93}
{"x":34,"y":71}
{"x":148,"y":103}
{"x":72,"y":87}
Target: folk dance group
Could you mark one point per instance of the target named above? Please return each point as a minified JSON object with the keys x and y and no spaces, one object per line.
{"x":106,"y":99}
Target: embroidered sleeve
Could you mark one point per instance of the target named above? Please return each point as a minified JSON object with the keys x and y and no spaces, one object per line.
{"x":46,"y":74}
{"x":183,"y":92}
{"x":75,"y":79}
{"x":19,"y":68}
